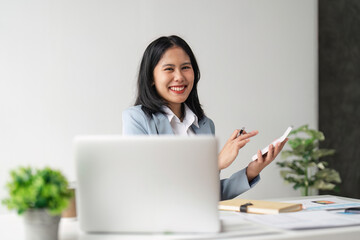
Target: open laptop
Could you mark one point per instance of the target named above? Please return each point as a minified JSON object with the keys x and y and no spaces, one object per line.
{"x":147,"y":183}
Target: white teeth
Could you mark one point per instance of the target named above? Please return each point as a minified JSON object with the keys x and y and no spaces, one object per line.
{"x":177,"y":88}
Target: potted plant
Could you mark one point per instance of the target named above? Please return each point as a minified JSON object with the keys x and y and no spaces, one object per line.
{"x":40,"y":195}
{"x":303,"y":167}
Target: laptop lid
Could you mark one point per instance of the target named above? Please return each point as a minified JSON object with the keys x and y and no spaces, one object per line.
{"x":147,"y":183}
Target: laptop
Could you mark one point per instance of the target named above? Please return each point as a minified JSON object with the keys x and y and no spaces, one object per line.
{"x":147,"y":184}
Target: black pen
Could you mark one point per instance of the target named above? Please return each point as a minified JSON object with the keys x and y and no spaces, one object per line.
{"x":241,"y":131}
{"x":355,"y":210}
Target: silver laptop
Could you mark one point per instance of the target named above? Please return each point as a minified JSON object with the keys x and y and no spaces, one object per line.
{"x":147,"y":184}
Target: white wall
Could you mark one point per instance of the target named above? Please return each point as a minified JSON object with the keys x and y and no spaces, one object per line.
{"x":69,"y":67}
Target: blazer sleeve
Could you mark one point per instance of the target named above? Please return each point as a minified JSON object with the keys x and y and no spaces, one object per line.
{"x":236,"y":184}
{"x":134,"y":122}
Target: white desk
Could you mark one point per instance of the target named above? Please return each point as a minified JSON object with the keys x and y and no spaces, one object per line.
{"x":11,"y":228}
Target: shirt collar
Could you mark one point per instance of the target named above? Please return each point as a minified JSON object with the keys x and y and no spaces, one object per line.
{"x":189,"y":119}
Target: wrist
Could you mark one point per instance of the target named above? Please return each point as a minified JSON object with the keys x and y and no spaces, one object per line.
{"x":220,"y":162}
{"x":250,"y":174}
{"x":220,"y":166}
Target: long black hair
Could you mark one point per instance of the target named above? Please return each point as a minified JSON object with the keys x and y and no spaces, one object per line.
{"x":147,"y":95}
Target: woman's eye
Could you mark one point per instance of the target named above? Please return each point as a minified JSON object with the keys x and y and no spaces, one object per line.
{"x":186,"y":67}
{"x":168,"y":69}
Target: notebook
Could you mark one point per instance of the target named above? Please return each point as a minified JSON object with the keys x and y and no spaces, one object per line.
{"x":147,"y":184}
{"x":258,"y":206}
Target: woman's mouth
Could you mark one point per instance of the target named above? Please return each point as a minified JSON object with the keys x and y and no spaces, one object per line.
{"x":178,"y":89}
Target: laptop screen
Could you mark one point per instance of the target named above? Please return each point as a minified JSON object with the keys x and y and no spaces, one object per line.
{"x":147,"y":183}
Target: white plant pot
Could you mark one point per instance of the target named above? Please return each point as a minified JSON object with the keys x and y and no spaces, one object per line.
{"x":39,"y":225}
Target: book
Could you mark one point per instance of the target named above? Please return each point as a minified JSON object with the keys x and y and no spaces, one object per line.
{"x":258,"y":206}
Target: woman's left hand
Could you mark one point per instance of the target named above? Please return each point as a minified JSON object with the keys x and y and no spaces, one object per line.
{"x":255,"y":167}
{"x":231,"y":149}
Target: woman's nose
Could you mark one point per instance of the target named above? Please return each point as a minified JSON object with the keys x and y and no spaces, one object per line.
{"x":178,"y":76}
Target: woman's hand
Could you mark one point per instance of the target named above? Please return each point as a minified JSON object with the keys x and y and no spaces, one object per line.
{"x":232,"y":147}
{"x":255,"y":167}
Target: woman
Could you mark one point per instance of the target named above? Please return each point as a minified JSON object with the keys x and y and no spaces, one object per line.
{"x":167,"y":103}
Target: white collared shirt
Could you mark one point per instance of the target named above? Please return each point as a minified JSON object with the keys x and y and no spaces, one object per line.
{"x":182,"y":128}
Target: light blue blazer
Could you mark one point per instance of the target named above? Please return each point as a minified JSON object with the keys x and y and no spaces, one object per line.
{"x":136,"y":122}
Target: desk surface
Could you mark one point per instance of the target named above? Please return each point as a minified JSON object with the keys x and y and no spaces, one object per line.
{"x":11,"y":228}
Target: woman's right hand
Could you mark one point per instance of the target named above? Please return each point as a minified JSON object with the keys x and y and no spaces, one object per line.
{"x":231,"y":149}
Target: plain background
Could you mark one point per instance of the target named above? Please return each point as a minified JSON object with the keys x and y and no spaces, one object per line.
{"x":69,"y":67}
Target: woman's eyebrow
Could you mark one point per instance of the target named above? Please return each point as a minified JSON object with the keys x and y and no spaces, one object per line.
{"x":173,"y":65}
{"x":168,"y":65}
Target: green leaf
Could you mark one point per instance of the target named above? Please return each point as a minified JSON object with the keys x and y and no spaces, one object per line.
{"x":322,"y":185}
{"x":295,"y":143}
{"x":285,"y":173}
{"x":315,"y":134}
{"x":322,"y":153}
{"x":321,"y":165}
{"x":30,"y":188}
{"x":287,"y":153}
{"x":328,"y":175}
{"x":300,"y":129}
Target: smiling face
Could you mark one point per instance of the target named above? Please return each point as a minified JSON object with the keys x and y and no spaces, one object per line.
{"x":174,"y":77}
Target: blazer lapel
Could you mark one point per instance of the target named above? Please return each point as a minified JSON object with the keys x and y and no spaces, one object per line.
{"x":202,"y":129}
{"x":162,"y":124}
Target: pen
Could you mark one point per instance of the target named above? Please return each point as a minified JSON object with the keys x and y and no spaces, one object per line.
{"x":241,"y":131}
{"x":355,"y":210}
